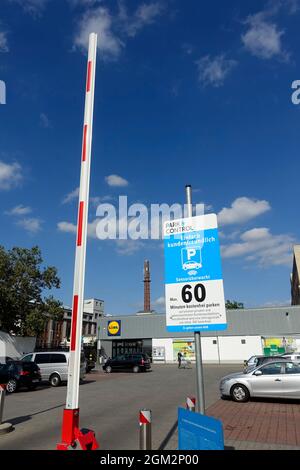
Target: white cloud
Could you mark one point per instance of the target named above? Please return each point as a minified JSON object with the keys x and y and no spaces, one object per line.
{"x":274,"y":7}
{"x":66,"y":227}
{"x":116,"y":181}
{"x":45,"y":121}
{"x":123,"y":247}
{"x":31,"y":225}
{"x":113,"y":30}
{"x":3,"y":42}
{"x":10,"y":175}
{"x":292,"y":5}
{"x":259,"y":246}
{"x":207,"y":207}
{"x":187,"y":48}
{"x":19,"y":210}
{"x":213,"y":70}
{"x":34,"y":7}
{"x":91,"y":230}
{"x":144,"y":15}
{"x":160,"y":301}
{"x":71,"y":196}
{"x":242,"y":210}
{"x":76,"y":3}
{"x":263,"y":38}
{"x":99,"y":21}
{"x":128,"y":247}
{"x":96,"y":200}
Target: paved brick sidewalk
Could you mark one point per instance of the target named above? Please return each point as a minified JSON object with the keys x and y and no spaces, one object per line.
{"x":259,"y":425}
{"x":248,"y":445}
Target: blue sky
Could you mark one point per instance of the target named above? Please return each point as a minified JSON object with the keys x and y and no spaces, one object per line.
{"x":186,"y":92}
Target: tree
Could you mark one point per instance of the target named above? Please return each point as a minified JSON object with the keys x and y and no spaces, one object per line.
{"x":24,"y":309}
{"x":233,"y":304}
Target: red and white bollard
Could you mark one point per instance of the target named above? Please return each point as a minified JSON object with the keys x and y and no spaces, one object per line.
{"x":4,"y":427}
{"x":145,"y":430}
{"x":191,"y":403}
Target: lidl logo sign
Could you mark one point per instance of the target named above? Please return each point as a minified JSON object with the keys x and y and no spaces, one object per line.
{"x":114,"y":328}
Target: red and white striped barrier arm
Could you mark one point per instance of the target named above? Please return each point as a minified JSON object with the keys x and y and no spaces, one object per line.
{"x":79,"y":272}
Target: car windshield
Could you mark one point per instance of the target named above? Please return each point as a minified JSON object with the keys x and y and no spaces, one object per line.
{"x":253,"y":361}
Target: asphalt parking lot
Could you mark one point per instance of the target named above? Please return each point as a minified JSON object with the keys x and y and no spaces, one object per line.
{"x":109,"y":404}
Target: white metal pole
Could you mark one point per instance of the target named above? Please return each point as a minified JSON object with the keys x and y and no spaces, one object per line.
{"x":200,"y":403}
{"x":79,"y":272}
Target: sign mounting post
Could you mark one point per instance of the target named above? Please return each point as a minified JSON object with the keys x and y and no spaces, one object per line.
{"x":72,"y":436}
{"x":200,"y":402}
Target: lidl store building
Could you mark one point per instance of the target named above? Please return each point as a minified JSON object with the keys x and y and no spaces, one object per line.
{"x":250,"y":331}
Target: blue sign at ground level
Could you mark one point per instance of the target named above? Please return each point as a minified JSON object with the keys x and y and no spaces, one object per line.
{"x":199,"y":432}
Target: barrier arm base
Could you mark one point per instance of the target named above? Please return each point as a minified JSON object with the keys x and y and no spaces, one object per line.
{"x":74,"y":438}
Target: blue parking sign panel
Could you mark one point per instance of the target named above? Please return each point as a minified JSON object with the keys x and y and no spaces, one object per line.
{"x":193,"y":275}
{"x":199,"y":432}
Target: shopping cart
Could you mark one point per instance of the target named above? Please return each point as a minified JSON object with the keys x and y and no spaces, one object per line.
{"x":185,"y":364}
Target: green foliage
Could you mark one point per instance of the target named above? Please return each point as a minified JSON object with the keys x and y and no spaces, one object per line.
{"x":23,"y":308}
{"x":233,"y":304}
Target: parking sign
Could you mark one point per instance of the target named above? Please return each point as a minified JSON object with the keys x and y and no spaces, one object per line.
{"x":193,"y":275}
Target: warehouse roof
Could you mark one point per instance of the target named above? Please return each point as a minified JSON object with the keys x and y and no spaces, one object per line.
{"x":242,"y":322}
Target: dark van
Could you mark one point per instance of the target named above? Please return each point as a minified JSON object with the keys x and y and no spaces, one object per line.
{"x":135,"y":362}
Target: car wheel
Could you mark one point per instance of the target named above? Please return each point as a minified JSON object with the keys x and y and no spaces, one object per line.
{"x":108,"y":369}
{"x":11,"y":386}
{"x":239,"y":393}
{"x":55,"y":380}
{"x":136,"y":369}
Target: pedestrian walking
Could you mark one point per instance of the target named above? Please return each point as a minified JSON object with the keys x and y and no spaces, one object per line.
{"x":179,"y":358}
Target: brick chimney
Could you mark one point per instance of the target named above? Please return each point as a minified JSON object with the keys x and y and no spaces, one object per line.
{"x":147,"y":280}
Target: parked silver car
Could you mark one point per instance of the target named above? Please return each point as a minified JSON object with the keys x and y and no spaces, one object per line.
{"x":278,"y":379}
{"x":54,"y":365}
{"x":256,"y":361}
{"x":291,"y":356}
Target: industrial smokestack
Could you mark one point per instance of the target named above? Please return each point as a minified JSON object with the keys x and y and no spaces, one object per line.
{"x":147,"y":280}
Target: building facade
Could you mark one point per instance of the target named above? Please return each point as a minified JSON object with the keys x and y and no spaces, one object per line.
{"x":57,"y":333}
{"x":249,"y":332}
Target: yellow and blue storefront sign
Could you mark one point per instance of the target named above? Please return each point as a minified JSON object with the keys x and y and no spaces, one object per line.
{"x":114,"y":328}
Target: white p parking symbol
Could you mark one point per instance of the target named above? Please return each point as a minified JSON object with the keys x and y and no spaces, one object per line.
{"x":191,"y":253}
